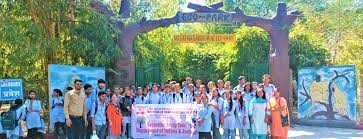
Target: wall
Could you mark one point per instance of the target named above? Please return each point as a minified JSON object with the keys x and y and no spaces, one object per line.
{"x":327,"y":93}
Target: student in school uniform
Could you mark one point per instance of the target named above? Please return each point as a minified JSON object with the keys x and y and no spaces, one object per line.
{"x":98,"y":116}
{"x":197,"y":98}
{"x":204,"y":119}
{"x":220,"y":86}
{"x":154,"y":96}
{"x":167,"y":95}
{"x":198,"y":83}
{"x":267,"y":87}
{"x":189,"y":97}
{"x":217,"y":104}
{"x":203,"y":90}
{"x":248,"y":95}
{"x":177,"y":96}
{"x":228,"y":117}
{"x":139,"y":98}
{"x":211,"y":85}
{"x":88,"y":90}
{"x":33,"y":119}
{"x":188,"y":81}
{"x":242,"y":120}
{"x":241,"y":83}
{"x":227,"y":86}
{"x":58,"y":118}
{"x":17,"y":132}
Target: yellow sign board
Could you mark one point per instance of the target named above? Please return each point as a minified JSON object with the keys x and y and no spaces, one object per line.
{"x":197,"y":38}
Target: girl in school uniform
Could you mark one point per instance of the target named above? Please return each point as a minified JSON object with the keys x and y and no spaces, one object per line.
{"x":217,"y":104}
{"x":17,"y":132}
{"x":57,"y":114}
{"x":33,"y":119}
{"x":204,"y":119}
{"x":166,"y":97}
{"x":139,"y":98}
{"x":258,"y":110}
{"x":242,"y":120}
{"x":229,"y":119}
{"x":197,"y":97}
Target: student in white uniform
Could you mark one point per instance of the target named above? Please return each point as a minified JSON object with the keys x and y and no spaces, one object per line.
{"x":177,"y":96}
{"x":229,"y":119}
{"x":242,"y":120}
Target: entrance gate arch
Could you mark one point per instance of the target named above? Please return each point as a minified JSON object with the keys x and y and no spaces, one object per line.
{"x":277,"y":28}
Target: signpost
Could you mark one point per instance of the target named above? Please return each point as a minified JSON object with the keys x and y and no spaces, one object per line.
{"x":11,"y":89}
{"x":206,"y":17}
{"x":198,"y":38}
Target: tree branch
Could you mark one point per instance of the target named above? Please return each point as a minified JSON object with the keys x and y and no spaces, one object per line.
{"x":252,"y":20}
{"x":203,"y":8}
{"x":217,"y":5}
{"x":292,"y":16}
{"x":125,"y":9}
{"x":101,"y":8}
{"x":148,"y":25}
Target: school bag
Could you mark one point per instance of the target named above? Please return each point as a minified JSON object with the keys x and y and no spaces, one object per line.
{"x":9,"y":120}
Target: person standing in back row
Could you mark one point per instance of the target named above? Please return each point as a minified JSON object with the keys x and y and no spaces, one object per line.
{"x":101,"y":86}
{"x":75,"y":111}
{"x":267,"y":87}
{"x":126,"y":108}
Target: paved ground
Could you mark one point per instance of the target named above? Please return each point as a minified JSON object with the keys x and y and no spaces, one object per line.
{"x":311,"y":132}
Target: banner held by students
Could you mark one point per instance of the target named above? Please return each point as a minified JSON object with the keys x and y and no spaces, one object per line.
{"x":163,"y":121}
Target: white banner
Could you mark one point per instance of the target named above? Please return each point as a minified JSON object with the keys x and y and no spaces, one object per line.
{"x":163,"y":121}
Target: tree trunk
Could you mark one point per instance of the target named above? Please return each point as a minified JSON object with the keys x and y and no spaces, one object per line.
{"x":279,"y":64}
{"x":125,"y":66}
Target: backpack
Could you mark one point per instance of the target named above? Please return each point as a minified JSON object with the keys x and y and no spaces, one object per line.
{"x":9,"y":121}
{"x":96,"y":108}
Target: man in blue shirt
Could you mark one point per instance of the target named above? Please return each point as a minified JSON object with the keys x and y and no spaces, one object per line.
{"x":88,"y":90}
{"x":98,"y":115}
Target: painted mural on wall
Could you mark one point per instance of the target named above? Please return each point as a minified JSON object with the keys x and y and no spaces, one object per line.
{"x":327,"y":93}
{"x":63,"y":76}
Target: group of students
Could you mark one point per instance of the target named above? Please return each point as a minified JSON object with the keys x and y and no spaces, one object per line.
{"x":29,"y":112}
{"x":256,"y":110}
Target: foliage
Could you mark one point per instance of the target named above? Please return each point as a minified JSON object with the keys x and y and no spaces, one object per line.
{"x":38,"y":33}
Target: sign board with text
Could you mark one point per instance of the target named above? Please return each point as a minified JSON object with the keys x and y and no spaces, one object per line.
{"x":157,"y":121}
{"x":200,"y":38}
{"x":206,"y":17}
{"x":11,"y":89}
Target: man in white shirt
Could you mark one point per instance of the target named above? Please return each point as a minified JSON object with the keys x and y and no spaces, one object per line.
{"x":267,"y":87}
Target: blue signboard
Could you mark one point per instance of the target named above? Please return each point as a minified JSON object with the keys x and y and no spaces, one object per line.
{"x":11,"y":89}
